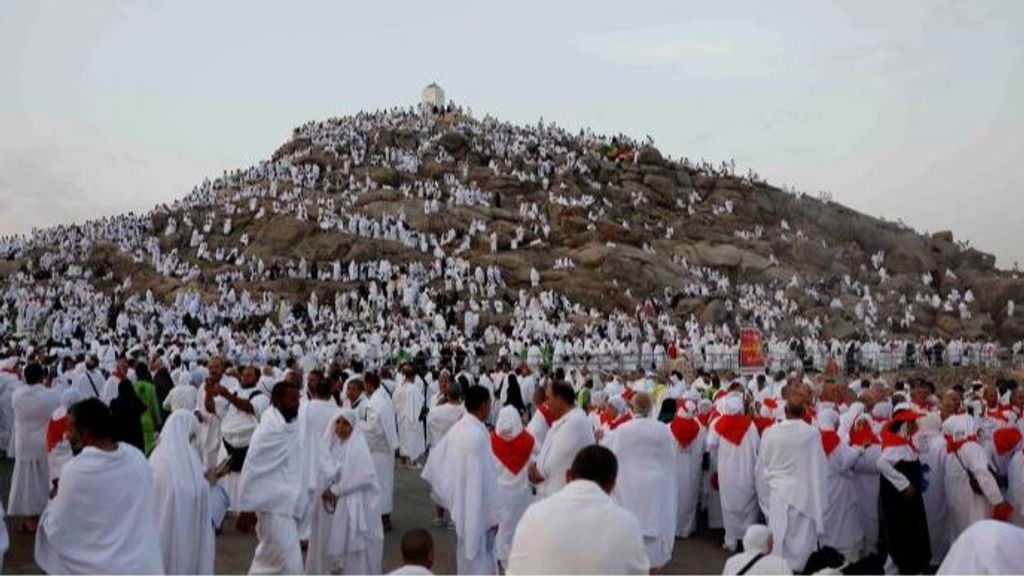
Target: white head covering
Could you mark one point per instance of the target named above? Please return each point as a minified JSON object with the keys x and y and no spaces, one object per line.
{"x":619,"y":404}
{"x":930,"y":423}
{"x":755,"y":541}
{"x":730,"y":404}
{"x":509,"y":424}
{"x":828,"y":419}
{"x":882,"y":409}
{"x":174,"y":454}
{"x":959,"y":426}
{"x":987,"y":547}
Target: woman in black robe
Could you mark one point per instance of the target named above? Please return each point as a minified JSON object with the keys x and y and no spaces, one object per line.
{"x":127,"y":410}
{"x":902,"y":521}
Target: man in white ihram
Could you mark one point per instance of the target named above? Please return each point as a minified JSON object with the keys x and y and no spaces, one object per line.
{"x":793,"y":469}
{"x":570,"y":432}
{"x":580,"y":529}
{"x":646,"y":483}
{"x":103,"y":519}
{"x":463,"y":476}
{"x":271,"y":484}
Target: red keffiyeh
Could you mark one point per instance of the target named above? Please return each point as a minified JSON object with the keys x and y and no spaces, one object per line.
{"x":55,"y":431}
{"x":862,"y":435}
{"x":891,"y":439}
{"x":549,"y":417}
{"x":763,"y":423}
{"x":829,"y":441}
{"x":622,"y":419}
{"x":514,"y":453}
{"x":733,"y":427}
{"x":1005,"y":439}
{"x":685,"y":430}
{"x":955,"y":445}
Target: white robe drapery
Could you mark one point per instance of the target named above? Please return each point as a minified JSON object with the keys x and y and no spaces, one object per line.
{"x":103,"y":520}
{"x":737,"y":490}
{"x":182,"y":498}
{"x":513,"y":487}
{"x":271,"y":486}
{"x":314,"y":415}
{"x":793,"y":468}
{"x":464,"y":478}
{"x":352,"y":537}
{"x":578,"y":530}
{"x":567,"y":436}
{"x":689,"y":460}
{"x":382,"y":438}
{"x":30,"y":481}
{"x":646,"y":484}
{"x":409,"y":403}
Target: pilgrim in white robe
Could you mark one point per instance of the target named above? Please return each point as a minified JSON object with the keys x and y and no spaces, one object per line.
{"x":512,"y":446}
{"x":1015,"y":488}
{"x":578,"y":530}
{"x":270,"y":486}
{"x":931,"y":445}
{"x":182,"y":495}
{"x":646,"y":484}
{"x":409,"y":403}
{"x":966,"y":507}
{"x":314,"y":416}
{"x":382,"y":438}
{"x":733,"y":442}
{"x":987,"y":547}
{"x":843,"y":528}
{"x":567,"y":436}
{"x":464,"y":479}
{"x":689,"y":438}
{"x":440,"y":419}
{"x":792,"y":467}
{"x":30,"y":481}
{"x":350,"y":537}
{"x":9,"y":382}
{"x":538,"y":427}
{"x":103,"y":519}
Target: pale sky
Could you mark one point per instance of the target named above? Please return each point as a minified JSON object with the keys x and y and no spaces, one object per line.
{"x":911,"y":109}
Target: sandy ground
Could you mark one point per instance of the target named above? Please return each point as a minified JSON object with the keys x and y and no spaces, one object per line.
{"x":413,"y":509}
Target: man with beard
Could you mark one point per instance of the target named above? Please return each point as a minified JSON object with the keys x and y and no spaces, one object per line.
{"x":271,"y":485}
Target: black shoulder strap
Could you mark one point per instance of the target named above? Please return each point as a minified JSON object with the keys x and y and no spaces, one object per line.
{"x":753,"y":561}
{"x":91,"y":383}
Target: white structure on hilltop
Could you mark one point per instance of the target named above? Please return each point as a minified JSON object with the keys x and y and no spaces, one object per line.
{"x":433,"y":97}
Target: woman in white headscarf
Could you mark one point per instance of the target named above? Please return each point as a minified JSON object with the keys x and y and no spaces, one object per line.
{"x":346,"y":533}
{"x":183,"y":498}
{"x":512,"y":446}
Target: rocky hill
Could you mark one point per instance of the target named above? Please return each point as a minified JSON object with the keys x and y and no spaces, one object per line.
{"x":610,"y":223}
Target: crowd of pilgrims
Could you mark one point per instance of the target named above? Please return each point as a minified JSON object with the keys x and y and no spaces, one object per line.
{"x":440,"y":298}
{"x":859,"y":474}
{"x":389,"y":356}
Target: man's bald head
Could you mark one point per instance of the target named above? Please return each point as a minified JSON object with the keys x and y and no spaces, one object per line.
{"x":418,"y":548}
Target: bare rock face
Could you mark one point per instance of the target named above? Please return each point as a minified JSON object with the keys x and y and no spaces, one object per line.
{"x":650,"y":155}
{"x":728,"y":256}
